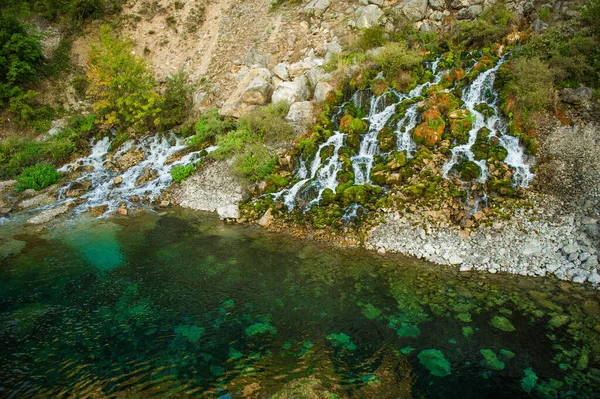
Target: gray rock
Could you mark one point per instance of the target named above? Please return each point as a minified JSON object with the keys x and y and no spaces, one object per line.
{"x":322,"y":91}
{"x":591,"y":263}
{"x":316,"y":8}
{"x":594,"y":278}
{"x":281,"y":71}
{"x":231,"y":211}
{"x":377,"y":2}
{"x":412,"y":10}
{"x":254,"y":58}
{"x":37,"y":201}
{"x":457,"y":4}
{"x":258,"y":92}
{"x":577,"y":96}
{"x":539,"y":26}
{"x":253,"y":78}
{"x":470,"y":12}
{"x":438,"y":5}
{"x":333,"y":49}
{"x":368,"y":16}
{"x":570,"y":248}
{"x":531,"y":248}
{"x":301,"y":115}
{"x":292,"y":92}
{"x":436,"y":16}
{"x":455,"y":260}
{"x":48,"y":214}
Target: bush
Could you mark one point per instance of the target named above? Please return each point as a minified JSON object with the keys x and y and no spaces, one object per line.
{"x":210,"y":125}
{"x":530,"y":83}
{"x":37,"y":177}
{"x":177,"y":102}
{"x":121,"y":85}
{"x":371,"y":38}
{"x":268,"y":124}
{"x":395,"y":58}
{"x":181,"y":172}
{"x":491,"y":26}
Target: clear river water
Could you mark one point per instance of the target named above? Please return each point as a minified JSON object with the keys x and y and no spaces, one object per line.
{"x":182,"y":305}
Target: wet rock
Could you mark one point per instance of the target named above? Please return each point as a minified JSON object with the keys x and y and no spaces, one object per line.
{"x":165,"y":204}
{"x":37,"y":201}
{"x":266,"y":219}
{"x":301,"y":116}
{"x":122,"y":212}
{"x":147,"y":175}
{"x":231,"y":211}
{"x":127,"y":160}
{"x":97,"y":211}
{"x":78,"y":188}
{"x":48,"y":215}
{"x":118,"y":180}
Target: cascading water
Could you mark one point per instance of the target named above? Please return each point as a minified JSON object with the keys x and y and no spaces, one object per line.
{"x":481,"y":91}
{"x":158,"y":149}
{"x":322,"y":174}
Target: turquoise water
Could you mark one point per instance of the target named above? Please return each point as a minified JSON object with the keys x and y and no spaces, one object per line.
{"x":185,"y":306}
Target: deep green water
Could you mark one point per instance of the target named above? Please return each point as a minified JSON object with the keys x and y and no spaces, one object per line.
{"x":184,"y":306}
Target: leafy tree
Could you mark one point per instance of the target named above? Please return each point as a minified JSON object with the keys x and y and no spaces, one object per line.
{"x":121,"y":85}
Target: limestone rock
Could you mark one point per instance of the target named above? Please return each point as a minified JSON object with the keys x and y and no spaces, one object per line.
{"x":37,"y":201}
{"x":316,"y":75}
{"x":254,"y":86}
{"x":576,"y":96}
{"x":48,"y":214}
{"x":127,"y":160}
{"x":413,"y":10}
{"x":97,"y":211}
{"x":316,"y":8}
{"x":322,"y":91}
{"x":258,"y":92}
{"x":301,"y":115}
{"x":266,"y":219}
{"x":539,"y":26}
{"x":368,"y":16}
{"x":78,"y":188}
{"x":118,"y":180}
{"x":470,"y":12}
{"x":281,"y":70}
{"x":292,"y":92}
{"x":231,"y":211}
{"x":438,"y":5}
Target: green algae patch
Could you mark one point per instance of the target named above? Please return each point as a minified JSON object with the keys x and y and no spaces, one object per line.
{"x":467,"y":331}
{"x":528,"y":382}
{"x":192,"y":333}
{"x":408,"y":331}
{"x":507,"y":354}
{"x":406,"y":350}
{"x":434,"y":361}
{"x":228,"y":303}
{"x":370,"y":312}
{"x":490,"y":360}
{"x":464,"y":317}
{"x":260,"y":328}
{"x":234,"y":354}
{"x":502,"y":323}
{"x":341,"y":340}
{"x":558,"y":321}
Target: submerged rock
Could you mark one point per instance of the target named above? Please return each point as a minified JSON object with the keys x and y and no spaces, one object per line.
{"x":529,"y":381}
{"x":434,"y":361}
{"x":490,"y":360}
{"x":48,"y":214}
{"x":502,"y":323}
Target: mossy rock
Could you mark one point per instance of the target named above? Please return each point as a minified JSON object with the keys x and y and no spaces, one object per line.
{"x":344,"y":176}
{"x":490,"y":360}
{"x":350,"y":124}
{"x":429,"y":133}
{"x":485,"y":110}
{"x":397,"y":160}
{"x":379,"y":177}
{"x":387,"y":139}
{"x":468,"y":170}
{"x":353,"y":141}
{"x":504,"y":187}
{"x":423,"y":153}
{"x":502,"y":323}
{"x":358,"y":194}
{"x":460,"y":125}
{"x":327,"y":197}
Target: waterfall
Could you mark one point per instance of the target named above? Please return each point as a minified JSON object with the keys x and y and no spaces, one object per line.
{"x":158,"y":149}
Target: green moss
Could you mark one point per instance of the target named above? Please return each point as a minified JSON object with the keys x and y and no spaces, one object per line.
{"x":503,"y":187}
{"x":408,"y":330}
{"x":260,"y":328}
{"x":502,"y":323}
{"x":467,"y":331}
{"x":406,"y":350}
{"x":349,"y":124}
{"x":434,"y":361}
{"x":328,"y":197}
{"x":234,"y":354}
{"x":192,"y":333}
{"x":387,"y":139}
{"x":358,"y":194}
{"x":468,"y":170}
{"x":397,"y":160}
{"x":464,"y":317}
{"x":529,"y":381}
{"x":507,"y":354}
{"x":342,"y":341}
{"x":370,"y":311}
{"x":353,"y":141}
{"x":490,"y":360}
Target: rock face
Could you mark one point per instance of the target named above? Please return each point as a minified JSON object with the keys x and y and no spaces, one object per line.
{"x":316,"y":8}
{"x":37,"y":201}
{"x":212,"y":187}
{"x":368,"y":16}
{"x":292,"y":92}
{"x":254,"y":88}
{"x":301,"y":116}
{"x":412,"y":10}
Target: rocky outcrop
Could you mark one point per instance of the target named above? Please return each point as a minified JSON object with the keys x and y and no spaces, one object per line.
{"x":291,"y":92}
{"x":367,"y":16}
{"x":48,"y":214}
{"x":322,"y":91}
{"x":301,"y":116}
{"x":254,"y":88}
{"x":213,"y":187}
{"x":412,"y":10}
{"x":577,"y":96}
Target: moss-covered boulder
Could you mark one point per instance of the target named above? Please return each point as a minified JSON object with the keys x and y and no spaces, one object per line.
{"x":460,"y":125}
{"x":350,"y":124}
{"x":397,"y":160}
{"x":502,"y":323}
{"x":504,"y":187}
{"x":429,"y":133}
{"x":485,"y":110}
{"x":490,"y":360}
{"x":327,"y":197}
{"x":387,"y":139}
{"x":358,"y":194}
{"x":353,"y":141}
{"x":467,"y":170}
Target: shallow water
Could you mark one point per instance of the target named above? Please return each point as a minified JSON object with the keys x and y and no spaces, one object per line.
{"x":185,"y":306}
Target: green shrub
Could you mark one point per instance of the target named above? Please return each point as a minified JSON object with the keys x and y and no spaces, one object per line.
{"x":121,"y":85}
{"x":397,"y":57}
{"x":210,"y":125}
{"x":372,"y":37}
{"x":267,"y":123}
{"x":177,"y":102}
{"x":60,"y":149}
{"x":181,"y":172}
{"x":37,"y":177}
{"x":530,"y":83}
{"x":254,"y":163}
{"x":491,"y":26}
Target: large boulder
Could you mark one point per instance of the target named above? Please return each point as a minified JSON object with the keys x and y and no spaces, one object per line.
{"x":127,"y":160}
{"x":292,"y":92}
{"x":301,"y":115}
{"x":438,"y":5}
{"x":48,"y":214}
{"x":258,"y":92}
{"x":577,"y":96}
{"x":333,"y":49}
{"x":322,"y":91}
{"x":316,"y":8}
{"x":301,"y":67}
{"x":368,"y":16}
{"x":412,"y":10}
{"x":316,"y":75}
{"x":470,"y":12}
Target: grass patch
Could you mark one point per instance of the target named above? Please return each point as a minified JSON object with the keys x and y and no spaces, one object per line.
{"x":37,"y":177}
